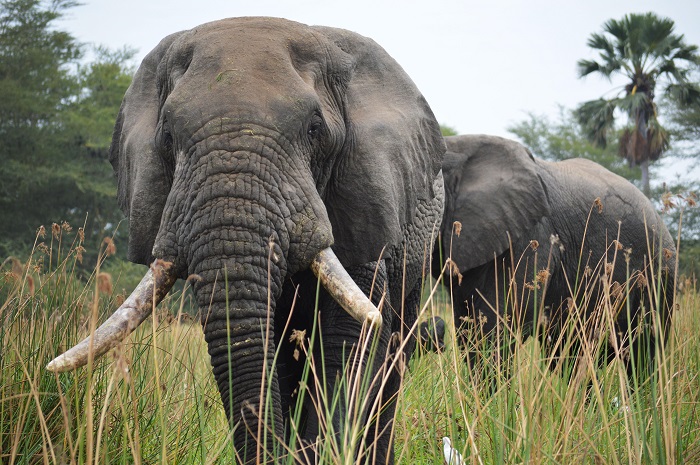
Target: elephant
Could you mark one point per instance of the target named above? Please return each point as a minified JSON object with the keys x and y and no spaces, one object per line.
{"x":431,"y":334}
{"x":264,"y":156}
{"x":527,"y":241}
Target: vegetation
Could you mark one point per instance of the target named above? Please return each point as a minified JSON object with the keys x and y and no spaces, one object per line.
{"x":447,"y":130}
{"x":56,"y":123}
{"x":154,"y":399}
{"x":643,"y":49}
{"x":564,"y":138}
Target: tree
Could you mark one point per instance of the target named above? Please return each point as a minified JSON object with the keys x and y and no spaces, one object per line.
{"x":447,"y":130}
{"x":35,"y":84}
{"x":55,"y":125}
{"x":643,"y":49}
{"x":683,"y":121}
{"x":564,"y":138}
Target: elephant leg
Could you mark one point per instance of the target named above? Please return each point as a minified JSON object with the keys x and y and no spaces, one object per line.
{"x":636,"y":340}
{"x":336,"y":356}
{"x":487,"y":341}
{"x":402,"y":344}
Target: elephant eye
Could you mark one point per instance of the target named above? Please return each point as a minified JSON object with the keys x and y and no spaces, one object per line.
{"x":315,"y":128}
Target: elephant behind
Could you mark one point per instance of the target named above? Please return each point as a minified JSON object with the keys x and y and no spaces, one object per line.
{"x":540,"y":238}
{"x":263,"y":156}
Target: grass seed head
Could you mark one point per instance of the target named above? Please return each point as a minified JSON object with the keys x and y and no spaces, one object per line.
{"x":79,"y":253}
{"x":297,"y":337}
{"x":543,"y":275}
{"x":457,"y":228}
{"x":667,"y":201}
{"x":641,"y":281}
{"x":104,"y":283}
{"x":617,"y":290}
{"x":609,"y":267}
{"x":555,"y":241}
{"x":598,"y":204}
{"x":110,"y":247}
{"x":668,"y":254}
{"x":454,"y":270}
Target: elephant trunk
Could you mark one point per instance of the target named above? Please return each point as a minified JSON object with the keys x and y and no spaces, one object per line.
{"x":238,"y":321}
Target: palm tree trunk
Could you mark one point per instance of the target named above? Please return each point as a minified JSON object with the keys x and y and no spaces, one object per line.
{"x":645,"y":177}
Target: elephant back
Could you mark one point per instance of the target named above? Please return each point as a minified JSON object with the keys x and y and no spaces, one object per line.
{"x":606,"y":207}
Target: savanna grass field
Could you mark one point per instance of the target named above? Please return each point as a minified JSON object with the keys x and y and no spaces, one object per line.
{"x":153,"y":400}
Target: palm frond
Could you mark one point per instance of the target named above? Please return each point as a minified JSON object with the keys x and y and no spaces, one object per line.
{"x":635,"y":103}
{"x":685,"y":93}
{"x":586,"y":67}
{"x":688,"y":53}
{"x":600,"y":42}
{"x":597,"y":119}
{"x":658,"y":139}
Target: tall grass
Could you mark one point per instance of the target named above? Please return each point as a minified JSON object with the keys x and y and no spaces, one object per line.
{"x":154,"y":399}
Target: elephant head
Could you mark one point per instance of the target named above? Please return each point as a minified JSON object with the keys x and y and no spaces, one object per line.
{"x":251,"y":150}
{"x":532,"y":225}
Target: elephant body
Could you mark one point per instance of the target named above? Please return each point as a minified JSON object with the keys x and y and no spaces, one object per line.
{"x":243,"y":149}
{"x":540,"y":238}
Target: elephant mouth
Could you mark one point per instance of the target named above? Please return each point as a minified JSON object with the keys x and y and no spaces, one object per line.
{"x":161,"y":277}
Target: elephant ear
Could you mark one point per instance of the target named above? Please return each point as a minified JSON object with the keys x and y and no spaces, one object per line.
{"x":494,"y":189}
{"x":144,"y":176}
{"x":392,"y":154}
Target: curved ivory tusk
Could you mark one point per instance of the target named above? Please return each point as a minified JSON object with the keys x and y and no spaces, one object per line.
{"x":154,"y":286}
{"x":343,"y":289}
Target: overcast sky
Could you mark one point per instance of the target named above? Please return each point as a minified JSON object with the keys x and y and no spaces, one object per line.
{"x":482,"y":65}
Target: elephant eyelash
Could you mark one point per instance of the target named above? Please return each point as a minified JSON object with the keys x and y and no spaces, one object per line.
{"x":316,"y":126}
{"x":315,"y":129}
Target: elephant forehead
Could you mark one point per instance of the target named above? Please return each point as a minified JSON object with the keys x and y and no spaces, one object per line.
{"x":237,"y":45}
{"x":255,"y":65}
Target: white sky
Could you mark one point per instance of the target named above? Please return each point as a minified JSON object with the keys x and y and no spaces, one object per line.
{"x":482,"y":65}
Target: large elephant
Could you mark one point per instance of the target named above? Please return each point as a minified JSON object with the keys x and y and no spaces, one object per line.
{"x":263,"y":155}
{"x":541,"y":238}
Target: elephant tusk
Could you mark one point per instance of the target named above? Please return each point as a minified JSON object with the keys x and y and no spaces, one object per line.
{"x":150,"y":291}
{"x":336,"y":280}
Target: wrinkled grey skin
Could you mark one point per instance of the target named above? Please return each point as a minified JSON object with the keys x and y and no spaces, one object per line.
{"x":431,"y":334}
{"x":254,"y":138}
{"x":505,"y":198}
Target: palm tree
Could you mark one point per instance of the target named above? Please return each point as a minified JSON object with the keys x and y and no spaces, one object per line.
{"x":642,"y":48}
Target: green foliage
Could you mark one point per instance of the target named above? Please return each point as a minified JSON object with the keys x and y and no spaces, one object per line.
{"x":154,"y":399}
{"x":643,"y":49}
{"x":564,"y":138}
{"x":55,"y":126}
{"x":682,"y":216}
{"x":683,"y":121}
{"x":448,"y":130}
{"x":60,"y":417}
{"x":89,"y":119}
